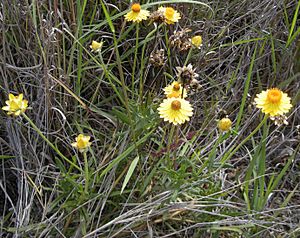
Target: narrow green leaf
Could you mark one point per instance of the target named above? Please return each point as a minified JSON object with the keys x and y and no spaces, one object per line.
{"x":246,"y":89}
{"x":283,"y":171}
{"x":130,"y":172}
{"x":288,"y":198}
{"x":293,"y":25}
{"x":107,"y":16}
{"x":247,"y":180}
{"x":293,"y":37}
{"x":6,"y":156}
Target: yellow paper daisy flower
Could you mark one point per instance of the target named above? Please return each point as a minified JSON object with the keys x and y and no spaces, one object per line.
{"x":175,"y":110}
{"x":175,"y":90}
{"x":171,"y":15}
{"x":273,"y":102}
{"x":15,"y":105}
{"x":82,"y":142}
{"x":137,"y":14}
{"x":96,"y":46}
{"x":225,"y":124}
{"x":197,"y":41}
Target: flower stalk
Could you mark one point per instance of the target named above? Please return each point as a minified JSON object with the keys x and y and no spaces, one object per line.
{"x":86,"y":173}
{"x":135,"y":58}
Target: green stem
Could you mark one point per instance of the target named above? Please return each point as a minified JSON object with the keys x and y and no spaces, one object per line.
{"x":262,"y":167}
{"x":135,"y":58}
{"x":170,"y":141}
{"x":188,"y":56}
{"x":121,"y":75}
{"x":124,"y":87}
{"x":230,"y":153}
{"x":86,"y":173}
{"x":108,"y":76}
{"x":49,"y":143}
{"x":99,"y":83}
{"x":212,"y":154}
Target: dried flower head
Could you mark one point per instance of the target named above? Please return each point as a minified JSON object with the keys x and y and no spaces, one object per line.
{"x":225,"y":124}
{"x":195,"y":85}
{"x":82,"y":142}
{"x":279,"y":120}
{"x":158,"y":58}
{"x":171,"y":15}
{"x":137,"y":14}
{"x":180,"y":40}
{"x":175,"y":110}
{"x":186,"y":74}
{"x":273,"y":102}
{"x":15,"y":105}
{"x":96,"y":46}
{"x":157,"y":17}
{"x":175,"y":90}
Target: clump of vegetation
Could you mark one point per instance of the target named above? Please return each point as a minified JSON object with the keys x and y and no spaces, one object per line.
{"x":150,"y":119}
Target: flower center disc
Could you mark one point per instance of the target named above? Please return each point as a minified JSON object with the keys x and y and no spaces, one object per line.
{"x":274,"y":95}
{"x":174,"y":95}
{"x":176,"y":87}
{"x":169,"y":12}
{"x":136,"y":7}
{"x":176,"y":105}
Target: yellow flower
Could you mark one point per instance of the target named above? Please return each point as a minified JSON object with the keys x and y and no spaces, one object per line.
{"x":82,"y":142}
{"x":197,"y":41}
{"x":15,"y":105}
{"x":171,"y":15}
{"x":273,"y":102}
{"x":96,"y":46}
{"x":175,"y":110}
{"x":224,"y":124}
{"x":174,"y":90}
{"x":137,"y":14}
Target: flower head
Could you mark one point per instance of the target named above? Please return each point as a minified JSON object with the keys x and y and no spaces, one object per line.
{"x":280,"y":120}
{"x":175,"y":110}
{"x":224,"y":124}
{"x":157,"y":58}
{"x":186,"y":74}
{"x":180,"y":40}
{"x":15,"y":105}
{"x":137,"y":14}
{"x":82,"y":142}
{"x":96,"y":46}
{"x":175,"y":90}
{"x":195,"y":85}
{"x":273,"y":102}
{"x":171,"y":15}
{"x":157,"y":17}
{"x":197,"y":41}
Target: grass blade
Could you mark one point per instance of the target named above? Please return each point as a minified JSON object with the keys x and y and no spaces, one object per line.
{"x":130,"y":172}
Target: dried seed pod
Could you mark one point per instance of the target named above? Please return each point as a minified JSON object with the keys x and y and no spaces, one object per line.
{"x":157,"y":58}
{"x":186,"y":74}
{"x":180,"y":40}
